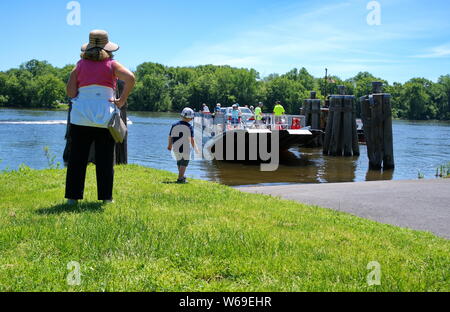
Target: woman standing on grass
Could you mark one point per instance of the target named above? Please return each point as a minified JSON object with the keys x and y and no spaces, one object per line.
{"x":92,"y":87}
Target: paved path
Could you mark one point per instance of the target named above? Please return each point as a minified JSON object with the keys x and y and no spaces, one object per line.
{"x":420,"y":204}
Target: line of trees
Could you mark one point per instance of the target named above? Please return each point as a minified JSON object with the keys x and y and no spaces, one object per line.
{"x":38,"y":84}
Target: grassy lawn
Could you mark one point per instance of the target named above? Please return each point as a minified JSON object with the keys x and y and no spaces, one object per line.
{"x":199,"y":237}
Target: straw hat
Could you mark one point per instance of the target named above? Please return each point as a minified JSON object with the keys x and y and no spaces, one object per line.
{"x":99,"y":39}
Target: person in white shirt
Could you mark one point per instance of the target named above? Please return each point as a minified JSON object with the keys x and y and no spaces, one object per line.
{"x":205,"y":109}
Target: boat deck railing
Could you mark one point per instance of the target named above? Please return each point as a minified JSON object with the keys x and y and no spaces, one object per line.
{"x":283,"y":122}
{"x":220,"y":123}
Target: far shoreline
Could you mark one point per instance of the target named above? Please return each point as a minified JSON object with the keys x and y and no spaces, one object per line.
{"x":65,"y":107}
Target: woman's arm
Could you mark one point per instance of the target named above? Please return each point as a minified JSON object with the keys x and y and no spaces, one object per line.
{"x":126,"y":76}
{"x":72,"y":85}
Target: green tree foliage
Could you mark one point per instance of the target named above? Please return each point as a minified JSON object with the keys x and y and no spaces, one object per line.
{"x":64,"y":73}
{"x":362,"y":83}
{"x":290,"y":92}
{"x":49,"y":91}
{"x":442,"y":97}
{"x":151,"y":94}
{"x":399,"y":108}
{"x":419,"y":99}
{"x":161,"y":88}
{"x":415,"y":97}
{"x":34,"y":84}
{"x":38,"y":68}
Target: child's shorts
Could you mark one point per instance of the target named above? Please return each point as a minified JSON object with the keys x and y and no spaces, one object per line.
{"x":181,"y":162}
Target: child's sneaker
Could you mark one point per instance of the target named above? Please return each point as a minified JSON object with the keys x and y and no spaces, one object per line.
{"x":182,"y":181}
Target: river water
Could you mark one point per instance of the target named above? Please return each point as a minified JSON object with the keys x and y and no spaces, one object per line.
{"x":418,"y":147}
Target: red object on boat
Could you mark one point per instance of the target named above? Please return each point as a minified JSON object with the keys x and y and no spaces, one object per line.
{"x":296,"y":123}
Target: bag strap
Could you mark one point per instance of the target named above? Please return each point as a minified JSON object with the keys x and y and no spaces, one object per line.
{"x":116,"y":96}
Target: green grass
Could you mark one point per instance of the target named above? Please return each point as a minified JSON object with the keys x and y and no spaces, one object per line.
{"x":198,"y":237}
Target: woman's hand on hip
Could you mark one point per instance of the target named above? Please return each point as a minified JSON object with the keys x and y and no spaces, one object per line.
{"x":119,"y":102}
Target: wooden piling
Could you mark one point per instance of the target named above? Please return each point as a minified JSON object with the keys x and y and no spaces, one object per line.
{"x":347,"y":124}
{"x":307,"y":111}
{"x":376,"y":114}
{"x":388,"y":157}
{"x":341,"y":138}
{"x":336,"y":137}
{"x":329,"y":126}
{"x":312,"y":111}
{"x":377,"y":87}
{"x":315,"y":114}
{"x":355,"y":138}
{"x":366,"y":116}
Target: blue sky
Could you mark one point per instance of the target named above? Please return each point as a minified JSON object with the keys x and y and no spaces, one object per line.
{"x":413,"y":39}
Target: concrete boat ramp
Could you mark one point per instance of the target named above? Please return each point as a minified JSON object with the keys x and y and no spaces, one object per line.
{"x":420,"y":204}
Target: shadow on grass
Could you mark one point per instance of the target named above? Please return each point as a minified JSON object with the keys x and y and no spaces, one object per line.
{"x":65,"y":208}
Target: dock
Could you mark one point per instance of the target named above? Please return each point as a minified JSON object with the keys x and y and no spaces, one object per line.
{"x":418,"y":204}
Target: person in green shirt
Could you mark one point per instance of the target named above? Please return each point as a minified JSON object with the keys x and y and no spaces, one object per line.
{"x":278,"y":110}
{"x":258,"y":112}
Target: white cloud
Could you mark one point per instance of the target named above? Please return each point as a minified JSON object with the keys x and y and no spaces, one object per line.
{"x":436,"y":52}
{"x":334,"y":36}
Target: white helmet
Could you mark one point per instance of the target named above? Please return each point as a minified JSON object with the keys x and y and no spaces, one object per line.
{"x":187,"y":113}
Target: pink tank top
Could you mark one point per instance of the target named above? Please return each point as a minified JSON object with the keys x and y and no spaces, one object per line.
{"x":96,"y":73}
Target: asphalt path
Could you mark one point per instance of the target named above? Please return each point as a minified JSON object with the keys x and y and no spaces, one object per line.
{"x":420,"y":204}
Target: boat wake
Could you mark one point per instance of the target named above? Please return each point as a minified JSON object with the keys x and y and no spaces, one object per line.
{"x":40,"y":122}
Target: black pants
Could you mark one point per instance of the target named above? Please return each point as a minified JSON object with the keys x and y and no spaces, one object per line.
{"x":82,"y":139}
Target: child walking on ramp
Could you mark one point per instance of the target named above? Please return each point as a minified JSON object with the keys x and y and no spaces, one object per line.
{"x":181,"y":138}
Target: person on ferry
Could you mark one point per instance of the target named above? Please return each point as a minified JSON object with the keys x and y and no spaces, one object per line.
{"x":235,"y":116}
{"x":278,"y":111}
{"x":205,"y":109}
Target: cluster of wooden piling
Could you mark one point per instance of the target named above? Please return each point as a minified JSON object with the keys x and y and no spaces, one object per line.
{"x":376,"y":113}
{"x":341,"y":137}
{"x":312,"y":111}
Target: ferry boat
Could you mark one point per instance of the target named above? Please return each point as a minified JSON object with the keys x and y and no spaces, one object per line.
{"x":233,"y":141}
